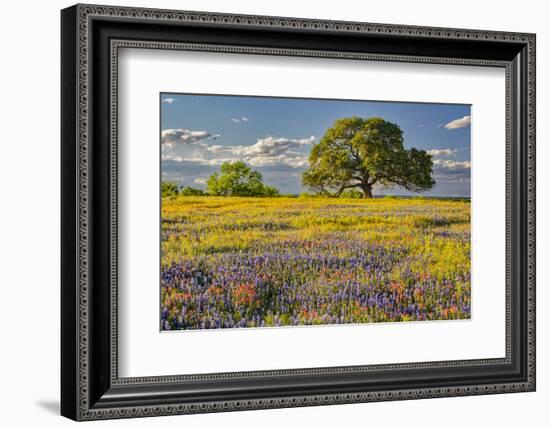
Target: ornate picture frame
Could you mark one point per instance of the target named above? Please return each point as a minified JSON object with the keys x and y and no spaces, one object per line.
{"x":91,"y":39}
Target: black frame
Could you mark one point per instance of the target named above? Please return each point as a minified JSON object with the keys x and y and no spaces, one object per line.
{"x":91,"y":37}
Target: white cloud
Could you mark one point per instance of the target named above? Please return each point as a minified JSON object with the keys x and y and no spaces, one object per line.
{"x":452,"y":165}
{"x":266,"y":151}
{"x":214,"y":161}
{"x":200,"y":181}
{"x":268,"y":146}
{"x":172,"y":157}
{"x":442,"y":152}
{"x":458,"y":123}
{"x":449,"y":171}
{"x":168,"y":101}
{"x":291,"y":159}
{"x":239,"y":119}
{"x":170,"y":137}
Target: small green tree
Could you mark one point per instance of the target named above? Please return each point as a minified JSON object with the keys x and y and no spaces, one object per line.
{"x":359,"y":153}
{"x":270,"y":191}
{"x":168,"y":189}
{"x":237,"y":179}
{"x":189,"y":191}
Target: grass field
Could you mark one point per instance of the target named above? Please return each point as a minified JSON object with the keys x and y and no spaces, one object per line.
{"x":260,"y":262}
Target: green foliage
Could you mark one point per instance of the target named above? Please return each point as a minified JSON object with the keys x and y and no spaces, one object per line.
{"x":191,"y":192}
{"x":351,"y":193}
{"x":238,"y":180}
{"x":168,"y":189}
{"x":358,"y":153}
{"x":269,"y":191}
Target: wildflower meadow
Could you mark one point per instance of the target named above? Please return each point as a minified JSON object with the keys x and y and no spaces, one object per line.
{"x":230,"y":262}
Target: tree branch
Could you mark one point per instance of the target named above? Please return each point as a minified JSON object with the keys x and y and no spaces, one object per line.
{"x":344,"y":187}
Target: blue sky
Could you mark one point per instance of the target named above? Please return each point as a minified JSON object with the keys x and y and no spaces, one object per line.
{"x":275,"y":136}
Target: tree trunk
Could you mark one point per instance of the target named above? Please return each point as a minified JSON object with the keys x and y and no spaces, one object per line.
{"x":367,"y":191}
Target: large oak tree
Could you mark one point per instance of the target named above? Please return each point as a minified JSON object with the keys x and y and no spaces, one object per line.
{"x":359,"y":153}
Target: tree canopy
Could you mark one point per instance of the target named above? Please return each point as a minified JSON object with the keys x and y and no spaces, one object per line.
{"x":237,"y":179}
{"x":168,"y":189}
{"x":359,"y":153}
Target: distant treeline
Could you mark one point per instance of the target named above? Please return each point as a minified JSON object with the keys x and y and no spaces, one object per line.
{"x":171,"y":189}
{"x":234,"y":180}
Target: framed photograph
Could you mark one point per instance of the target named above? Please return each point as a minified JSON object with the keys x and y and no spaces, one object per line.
{"x":263,"y":212}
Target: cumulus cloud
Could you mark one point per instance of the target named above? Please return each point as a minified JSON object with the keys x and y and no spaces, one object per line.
{"x":291,"y":159}
{"x":459,"y":123}
{"x":197,"y":156}
{"x":450,"y":164}
{"x":170,"y":137}
{"x":451,"y":172}
{"x":268,"y":146}
{"x":240,"y":119}
{"x":266,"y":151}
{"x":211,"y":161}
{"x":181,"y":145}
{"x":442,"y":152}
{"x":169,"y":101}
{"x":200,"y":180}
